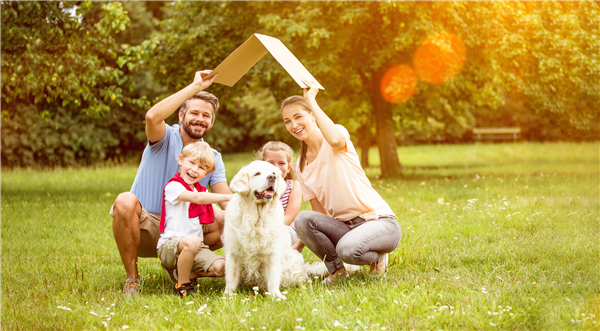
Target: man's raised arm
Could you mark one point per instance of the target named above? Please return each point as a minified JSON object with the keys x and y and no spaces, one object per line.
{"x":156,"y":116}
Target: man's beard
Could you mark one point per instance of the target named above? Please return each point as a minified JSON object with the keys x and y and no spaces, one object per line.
{"x":194,"y":134}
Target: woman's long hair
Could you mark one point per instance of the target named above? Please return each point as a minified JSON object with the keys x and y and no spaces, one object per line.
{"x":298,"y":100}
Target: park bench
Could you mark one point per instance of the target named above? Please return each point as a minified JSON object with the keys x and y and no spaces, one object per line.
{"x":497,"y":133}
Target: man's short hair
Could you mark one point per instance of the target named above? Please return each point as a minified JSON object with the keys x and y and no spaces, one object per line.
{"x":203,"y":95}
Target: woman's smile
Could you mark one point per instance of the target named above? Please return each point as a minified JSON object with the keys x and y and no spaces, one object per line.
{"x":297,"y":120}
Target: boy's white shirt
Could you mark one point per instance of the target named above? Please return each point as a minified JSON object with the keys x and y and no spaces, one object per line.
{"x":177,"y":221}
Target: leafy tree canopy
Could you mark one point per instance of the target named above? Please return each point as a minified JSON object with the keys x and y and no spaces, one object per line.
{"x":65,"y":52}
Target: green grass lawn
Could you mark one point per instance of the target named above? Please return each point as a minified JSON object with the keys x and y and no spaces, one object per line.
{"x":498,"y":236}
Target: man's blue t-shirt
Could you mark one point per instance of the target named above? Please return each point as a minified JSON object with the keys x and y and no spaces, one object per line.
{"x":159,"y":164}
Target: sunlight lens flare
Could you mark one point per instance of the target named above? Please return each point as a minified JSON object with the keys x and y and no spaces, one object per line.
{"x":398,"y":84}
{"x":439,"y":58}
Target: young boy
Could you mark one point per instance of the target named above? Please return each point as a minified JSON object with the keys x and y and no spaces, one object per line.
{"x":185,"y":216}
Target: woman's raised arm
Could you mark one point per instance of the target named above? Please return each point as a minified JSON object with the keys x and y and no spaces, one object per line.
{"x":326,"y":125}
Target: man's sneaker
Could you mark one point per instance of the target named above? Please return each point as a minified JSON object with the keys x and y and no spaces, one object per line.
{"x":184,"y":290}
{"x":380,"y":268}
{"x":171,"y":272}
{"x":132,"y":287}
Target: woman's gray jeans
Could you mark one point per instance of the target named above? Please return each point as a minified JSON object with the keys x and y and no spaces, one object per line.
{"x":356,"y":241}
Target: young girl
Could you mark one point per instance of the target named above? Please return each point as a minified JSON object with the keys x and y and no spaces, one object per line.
{"x":362,"y":228}
{"x":281,"y":155}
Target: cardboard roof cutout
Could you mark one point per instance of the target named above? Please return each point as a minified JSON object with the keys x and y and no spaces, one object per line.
{"x":251,"y":51}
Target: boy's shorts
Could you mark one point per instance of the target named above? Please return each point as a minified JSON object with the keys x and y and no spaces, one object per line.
{"x":150,"y":232}
{"x":168,"y":253}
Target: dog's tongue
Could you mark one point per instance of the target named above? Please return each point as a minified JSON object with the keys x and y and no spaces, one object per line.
{"x":269,"y":192}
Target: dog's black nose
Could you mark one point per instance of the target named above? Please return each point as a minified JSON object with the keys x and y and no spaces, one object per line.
{"x":271,"y":177}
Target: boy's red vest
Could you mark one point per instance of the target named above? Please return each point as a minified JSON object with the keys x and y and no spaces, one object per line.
{"x":205,"y":213}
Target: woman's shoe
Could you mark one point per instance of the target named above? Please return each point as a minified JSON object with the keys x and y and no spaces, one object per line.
{"x":380,"y":268}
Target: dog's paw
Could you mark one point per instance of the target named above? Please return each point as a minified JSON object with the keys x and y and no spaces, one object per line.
{"x":278,"y":294}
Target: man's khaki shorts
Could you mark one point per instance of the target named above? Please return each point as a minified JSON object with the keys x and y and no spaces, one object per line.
{"x":168,"y":253}
{"x":150,"y":232}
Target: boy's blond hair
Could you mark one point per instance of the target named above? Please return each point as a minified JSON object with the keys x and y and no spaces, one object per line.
{"x":202,"y":152}
{"x":278,"y":146}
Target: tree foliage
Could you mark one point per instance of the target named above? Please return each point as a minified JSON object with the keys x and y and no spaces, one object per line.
{"x":50,"y":53}
{"x":528,"y":64}
{"x":349,"y":46}
{"x":69,"y":90}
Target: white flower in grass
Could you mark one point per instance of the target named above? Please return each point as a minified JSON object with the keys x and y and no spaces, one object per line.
{"x":568,"y":299}
{"x":492,"y":324}
{"x":314,"y":310}
{"x":358,"y":309}
{"x":242,"y":320}
{"x":189,"y":303}
{"x":264,"y":328}
{"x":92,"y":313}
{"x":113,"y":314}
{"x":105,"y":324}
{"x":395,"y":301}
{"x":63,"y":308}
{"x":457,"y":277}
{"x":247,"y":314}
{"x":125,"y":327}
{"x":254,"y":309}
{"x":251,"y":328}
{"x":340,"y":307}
{"x":336,"y":323}
{"x":298,"y":320}
{"x":146,"y":307}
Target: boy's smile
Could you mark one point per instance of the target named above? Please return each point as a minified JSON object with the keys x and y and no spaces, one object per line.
{"x":190,"y":169}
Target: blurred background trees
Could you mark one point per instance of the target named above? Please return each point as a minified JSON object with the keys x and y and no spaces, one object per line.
{"x":78,"y":77}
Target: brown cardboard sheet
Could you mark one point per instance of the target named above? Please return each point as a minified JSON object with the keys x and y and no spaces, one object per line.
{"x":251,"y":51}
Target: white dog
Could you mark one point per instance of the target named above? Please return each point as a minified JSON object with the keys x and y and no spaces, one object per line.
{"x":257,"y":245}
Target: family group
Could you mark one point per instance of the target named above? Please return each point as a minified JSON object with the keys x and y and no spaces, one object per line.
{"x":168,"y":212}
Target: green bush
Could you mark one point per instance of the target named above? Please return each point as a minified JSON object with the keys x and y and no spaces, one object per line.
{"x":68,"y":138}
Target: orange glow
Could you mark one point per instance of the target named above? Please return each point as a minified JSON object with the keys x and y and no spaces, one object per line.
{"x":439,"y":58}
{"x":398,"y":84}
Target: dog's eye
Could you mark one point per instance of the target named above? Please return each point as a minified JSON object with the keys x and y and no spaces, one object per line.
{"x":257,"y":174}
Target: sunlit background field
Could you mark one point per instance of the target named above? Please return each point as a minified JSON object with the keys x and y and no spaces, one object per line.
{"x":494,"y":236}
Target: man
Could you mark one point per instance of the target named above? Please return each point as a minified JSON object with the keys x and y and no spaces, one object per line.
{"x":136,"y":214}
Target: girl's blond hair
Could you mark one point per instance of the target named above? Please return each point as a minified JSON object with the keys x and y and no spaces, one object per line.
{"x":202,"y":152}
{"x":278,"y":146}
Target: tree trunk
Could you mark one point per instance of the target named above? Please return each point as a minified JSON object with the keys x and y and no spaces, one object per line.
{"x":364,"y":142}
{"x":386,"y":139}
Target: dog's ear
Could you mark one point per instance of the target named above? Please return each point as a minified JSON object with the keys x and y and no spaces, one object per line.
{"x":281,"y":185}
{"x":239,"y":183}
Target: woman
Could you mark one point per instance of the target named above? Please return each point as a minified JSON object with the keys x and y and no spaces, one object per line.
{"x":362,"y":228}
